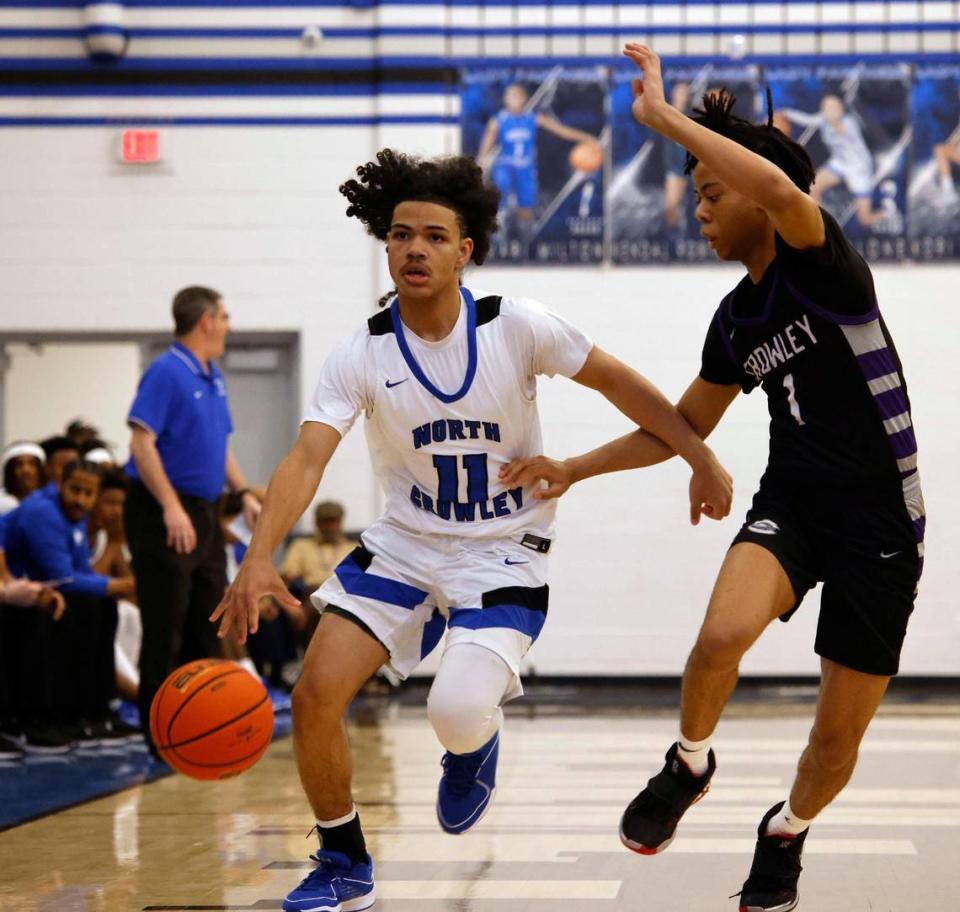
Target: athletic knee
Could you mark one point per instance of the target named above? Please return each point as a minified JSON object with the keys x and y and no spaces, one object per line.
{"x":461,"y":722}
{"x":318,"y":697}
{"x":720,"y":648}
{"x":834,"y":750}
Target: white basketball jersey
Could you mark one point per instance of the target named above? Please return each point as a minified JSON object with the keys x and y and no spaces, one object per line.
{"x":443,"y":417}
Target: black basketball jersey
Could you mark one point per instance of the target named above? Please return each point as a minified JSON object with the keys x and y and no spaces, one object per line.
{"x":810,"y":333}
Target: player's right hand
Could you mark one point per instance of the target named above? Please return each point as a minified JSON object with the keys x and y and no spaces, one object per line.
{"x":521,"y":473}
{"x":181,"y":536}
{"x":711,"y":491}
{"x":648,"y":96}
{"x":240,"y":609}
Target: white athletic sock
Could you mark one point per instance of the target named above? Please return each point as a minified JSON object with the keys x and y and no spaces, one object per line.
{"x":340,"y":821}
{"x":694,"y":753}
{"x":787,"y":823}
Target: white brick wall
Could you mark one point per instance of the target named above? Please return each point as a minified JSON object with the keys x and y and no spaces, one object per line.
{"x":85,"y":244}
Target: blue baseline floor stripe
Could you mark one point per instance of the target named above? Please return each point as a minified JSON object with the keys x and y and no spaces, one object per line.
{"x":386,"y":120}
{"x":39,"y":786}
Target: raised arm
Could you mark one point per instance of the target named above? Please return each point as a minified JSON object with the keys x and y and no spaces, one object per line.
{"x":702,"y":406}
{"x":291,"y":489}
{"x":795,"y":215}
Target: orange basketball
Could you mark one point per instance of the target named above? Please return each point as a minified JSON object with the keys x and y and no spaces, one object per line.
{"x":211,"y":719}
{"x":586,"y":156}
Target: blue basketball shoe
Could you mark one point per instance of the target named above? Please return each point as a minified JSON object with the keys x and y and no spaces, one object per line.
{"x":335,"y":885}
{"x":467,"y":786}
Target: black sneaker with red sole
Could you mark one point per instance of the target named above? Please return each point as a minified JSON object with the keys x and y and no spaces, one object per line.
{"x":649,"y":824}
{"x":772,"y":884}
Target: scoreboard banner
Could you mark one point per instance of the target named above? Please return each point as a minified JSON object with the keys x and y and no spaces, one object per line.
{"x":583,"y":182}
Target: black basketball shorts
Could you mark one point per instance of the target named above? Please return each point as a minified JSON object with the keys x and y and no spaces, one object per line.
{"x":867,"y":552}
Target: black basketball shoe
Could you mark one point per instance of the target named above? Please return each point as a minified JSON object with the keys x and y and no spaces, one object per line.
{"x":772,"y":884}
{"x":649,"y":823}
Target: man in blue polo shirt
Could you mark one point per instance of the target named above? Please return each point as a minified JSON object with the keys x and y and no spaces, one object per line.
{"x":180,"y":462}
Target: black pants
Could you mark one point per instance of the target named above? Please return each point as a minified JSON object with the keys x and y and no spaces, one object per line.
{"x":177,"y":592}
{"x":59,"y":671}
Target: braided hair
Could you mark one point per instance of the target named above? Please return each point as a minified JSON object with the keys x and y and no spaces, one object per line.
{"x":763,"y":139}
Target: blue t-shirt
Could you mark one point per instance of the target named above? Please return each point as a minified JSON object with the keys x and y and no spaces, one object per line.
{"x":187,"y":411}
{"x":42,"y":544}
{"x":517,"y":133}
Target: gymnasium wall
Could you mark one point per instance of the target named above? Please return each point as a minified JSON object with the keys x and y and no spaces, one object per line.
{"x":258,"y":128}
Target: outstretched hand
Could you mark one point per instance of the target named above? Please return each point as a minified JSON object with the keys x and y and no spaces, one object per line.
{"x":521,"y":473}
{"x":240,"y":609}
{"x":648,"y":96}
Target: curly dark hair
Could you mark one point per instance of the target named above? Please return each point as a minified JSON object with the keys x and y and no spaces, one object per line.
{"x":764,"y":139}
{"x":454,"y":181}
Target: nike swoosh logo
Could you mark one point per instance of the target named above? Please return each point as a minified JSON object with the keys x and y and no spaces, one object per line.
{"x":392,"y":385}
{"x":511,"y":563}
{"x":884,"y":554}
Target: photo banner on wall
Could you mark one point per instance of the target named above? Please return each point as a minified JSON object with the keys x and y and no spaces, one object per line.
{"x":583,"y":182}
{"x":539,"y":134}
{"x":650,"y":201}
{"x":933,"y":201}
{"x":855,"y":123}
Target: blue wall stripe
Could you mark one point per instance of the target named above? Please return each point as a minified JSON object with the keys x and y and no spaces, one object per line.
{"x":159,"y":65}
{"x":384,"y":120}
{"x":253,"y":90}
{"x":364,"y":4}
{"x":627,"y":28}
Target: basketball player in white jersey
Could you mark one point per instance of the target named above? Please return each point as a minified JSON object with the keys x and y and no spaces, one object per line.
{"x":446,"y":380}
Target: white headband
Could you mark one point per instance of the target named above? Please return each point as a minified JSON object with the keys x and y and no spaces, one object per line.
{"x":23,"y":448}
{"x":98,"y":455}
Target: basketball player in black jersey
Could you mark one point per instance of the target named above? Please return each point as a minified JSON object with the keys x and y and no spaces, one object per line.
{"x":840,"y":500}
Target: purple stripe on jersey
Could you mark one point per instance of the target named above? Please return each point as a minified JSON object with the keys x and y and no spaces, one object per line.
{"x":891,"y":403}
{"x":908,"y":473}
{"x":903,"y":443}
{"x":920,"y":528}
{"x":876,"y":363}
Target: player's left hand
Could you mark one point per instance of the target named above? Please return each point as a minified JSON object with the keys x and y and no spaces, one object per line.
{"x":711,"y":491}
{"x":524,"y":472}
{"x":648,"y":96}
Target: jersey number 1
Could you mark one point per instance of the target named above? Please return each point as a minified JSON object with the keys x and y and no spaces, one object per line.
{"x":792,"y":399}
{"x":448,"y":477}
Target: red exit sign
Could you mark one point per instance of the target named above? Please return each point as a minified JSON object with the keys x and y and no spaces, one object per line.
{"x":140,"y":147}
